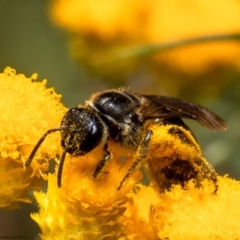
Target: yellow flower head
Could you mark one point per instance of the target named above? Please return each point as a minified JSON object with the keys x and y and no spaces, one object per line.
{"x":103,"y":29}
{"x":84,"y":207}
{"x":154,"y":20}
{"x":196,"y":213}
{"x":27,"y":109}
{"x":88,"y":208}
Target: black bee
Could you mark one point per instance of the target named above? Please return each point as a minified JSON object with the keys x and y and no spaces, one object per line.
{"x":125,"y":117}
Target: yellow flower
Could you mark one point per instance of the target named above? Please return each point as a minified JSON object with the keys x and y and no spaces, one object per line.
{"x":196,"y":213}
{"x":88,"y":208}
{"x":27,"y":109}
{"x":138,"y":223}
{"x":102,"y":31}
{"x":151,"y":21}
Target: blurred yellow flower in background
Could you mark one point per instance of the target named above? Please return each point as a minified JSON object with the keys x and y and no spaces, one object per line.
{"x":104,"y":36}
{"x":146,"y":21}
{"x":27,"y":109}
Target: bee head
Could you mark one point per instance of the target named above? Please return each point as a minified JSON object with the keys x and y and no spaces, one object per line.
{"x":82,"y":131}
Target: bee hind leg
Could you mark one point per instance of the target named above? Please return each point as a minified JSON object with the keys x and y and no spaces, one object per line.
{"x":143,"y":149}
{"x":207,"y":171}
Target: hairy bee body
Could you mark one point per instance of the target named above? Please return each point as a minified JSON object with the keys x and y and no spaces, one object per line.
{"x":150,"y":126}
{"x":175,"y":158}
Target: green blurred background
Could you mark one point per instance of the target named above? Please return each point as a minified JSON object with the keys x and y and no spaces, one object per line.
{"x":29,"y":42}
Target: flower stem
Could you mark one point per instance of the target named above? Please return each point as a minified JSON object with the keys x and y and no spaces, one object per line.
{"x":148,"y":49}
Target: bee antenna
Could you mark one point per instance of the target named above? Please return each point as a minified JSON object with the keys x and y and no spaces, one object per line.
{"x":61,"y":162}
{"x":30,"y":158}
{"x":60,"y":167}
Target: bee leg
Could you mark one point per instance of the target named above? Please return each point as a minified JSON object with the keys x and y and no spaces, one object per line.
{"x":103,"y":162}
{"x":208,"y":171}
{"x":143,"y":149}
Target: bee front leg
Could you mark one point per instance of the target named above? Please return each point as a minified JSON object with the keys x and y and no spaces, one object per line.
{"x":143,"y":149}
{"x":103,"y":162}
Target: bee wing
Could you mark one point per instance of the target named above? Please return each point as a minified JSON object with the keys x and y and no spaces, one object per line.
{"x":156,"y":106}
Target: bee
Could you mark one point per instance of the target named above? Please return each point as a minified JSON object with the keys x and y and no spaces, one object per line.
{"x":129,"y":120}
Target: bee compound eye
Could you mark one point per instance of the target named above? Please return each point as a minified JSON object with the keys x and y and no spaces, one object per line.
{"x":84,"y":128}
{"x":93,"y":134}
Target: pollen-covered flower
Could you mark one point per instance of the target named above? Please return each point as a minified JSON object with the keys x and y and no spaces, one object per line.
{"x":85,"y":207}
{"x":197,"y":213}
{"x":28,"y":109}
{"x":89,"y":208}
